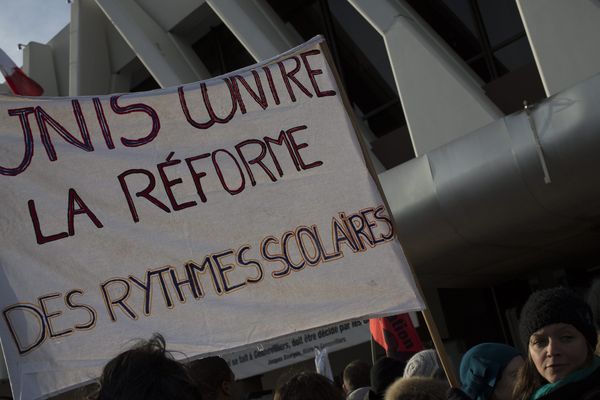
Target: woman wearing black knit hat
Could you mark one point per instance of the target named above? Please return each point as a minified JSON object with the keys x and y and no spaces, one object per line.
{"x":557,"y":328}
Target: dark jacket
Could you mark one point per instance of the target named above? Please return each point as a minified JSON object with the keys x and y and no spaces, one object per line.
{"x":587,"y":389}
{"x":457,"y":394}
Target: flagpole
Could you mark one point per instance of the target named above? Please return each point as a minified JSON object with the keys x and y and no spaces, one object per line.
{"x":429,"y":321}
{"x":373,"y":351}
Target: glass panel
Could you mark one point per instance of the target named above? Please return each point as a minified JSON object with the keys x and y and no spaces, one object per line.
{"x":452,"y":20}
{"x":303,"y":15}
{"x":501,"y":19}
{"x":221,"y":52}
{"x":364,"y":36}
{"x":462,"y":10}
{"x":515,"y":55}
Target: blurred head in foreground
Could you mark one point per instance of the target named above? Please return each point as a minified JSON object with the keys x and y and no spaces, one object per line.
{"x":308,"y":386}
{"x":146,"y":372}
{"x":214,"y":378}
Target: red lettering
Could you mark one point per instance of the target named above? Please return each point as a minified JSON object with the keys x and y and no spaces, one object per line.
{"x":256,"y":160}
{"x":40,"y":238}
{"x":145,"y":193}
{"x":298,"y":146}
{"x":132,"y":108}
{"x":290,"y":76}
{"x":260,"y":98}
{"x":233,"y":192}
{"x":23,"y":114}
{"x":313,"y":72}
{"x":82,"y":209}
{"x":44,"y":119}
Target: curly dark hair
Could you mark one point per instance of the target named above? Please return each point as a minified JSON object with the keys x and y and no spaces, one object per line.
{"x":146,"y":372}
{"x":308,"y":386}
{"x":210,"y":374}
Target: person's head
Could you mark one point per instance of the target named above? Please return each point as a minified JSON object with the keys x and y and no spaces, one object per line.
{"x":214,"y":378}
{"x":594,"y":302}
{"x":557,"y":328}
{"x":383,"y":373}
{"x":424,"y":363}
{"x":488,"y":371}
{"x":308,"y":386}
{"x":146,"y":372}
{"x":356,"y":375}
{"x":417,"y":388}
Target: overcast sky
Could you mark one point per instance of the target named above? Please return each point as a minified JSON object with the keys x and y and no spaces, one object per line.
{"x":24,"y":21}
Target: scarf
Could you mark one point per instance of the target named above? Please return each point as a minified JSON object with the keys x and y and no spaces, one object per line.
{"x":575,"y":376}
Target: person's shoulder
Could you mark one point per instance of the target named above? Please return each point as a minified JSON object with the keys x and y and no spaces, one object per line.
{"x":592,"y":390}
{"x":591,"y":384}
{"x":456,"y":394}
{"x":586,"y":389}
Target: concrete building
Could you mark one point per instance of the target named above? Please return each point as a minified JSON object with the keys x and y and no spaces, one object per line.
{"x":491,"y":201}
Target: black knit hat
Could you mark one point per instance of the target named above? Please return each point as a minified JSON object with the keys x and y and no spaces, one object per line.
{"x":556,"y":305}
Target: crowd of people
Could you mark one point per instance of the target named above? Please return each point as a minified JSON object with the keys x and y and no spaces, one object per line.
{"x":558,"y":329}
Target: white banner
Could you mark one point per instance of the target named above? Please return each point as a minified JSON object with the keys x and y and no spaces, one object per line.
{"x":264,"y":357}
{"x":219,"y":213}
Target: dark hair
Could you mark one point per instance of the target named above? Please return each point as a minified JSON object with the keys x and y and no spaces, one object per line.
{"x":356,"y":375}
{"x":146,"y":372}
{"x":593,"y":300}
{"x":528,"y":380}
{"x":308,"y":386}
{"x":209,"y":373}
{"x":383,"y":373}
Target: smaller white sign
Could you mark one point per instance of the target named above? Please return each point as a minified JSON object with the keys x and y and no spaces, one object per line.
{"x":291,"y":349}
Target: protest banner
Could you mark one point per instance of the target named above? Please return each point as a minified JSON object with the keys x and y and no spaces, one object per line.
{"x":218,"y":213}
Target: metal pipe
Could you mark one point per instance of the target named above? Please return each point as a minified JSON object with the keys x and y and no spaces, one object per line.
{"x":485,"y":191}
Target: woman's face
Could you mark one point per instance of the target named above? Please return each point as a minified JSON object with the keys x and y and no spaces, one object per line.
{"x":557,"y":350}
{"x":506,"y":384}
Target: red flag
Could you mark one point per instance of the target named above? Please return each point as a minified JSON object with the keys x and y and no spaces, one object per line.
{"x":18,"y":82}
{"x":396,"y":334}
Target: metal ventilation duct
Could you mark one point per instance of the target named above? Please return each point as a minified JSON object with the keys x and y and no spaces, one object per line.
{"x":482,"y":198}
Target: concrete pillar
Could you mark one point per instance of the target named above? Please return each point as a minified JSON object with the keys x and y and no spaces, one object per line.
{"x":564,"y":38}
{"x":152,"y":44}
{"x":38,"y":64}
{"x":60,"y":45}
{"x":256,"y":26}
{"x":441,"y":97}
{"x":90,"y":71}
